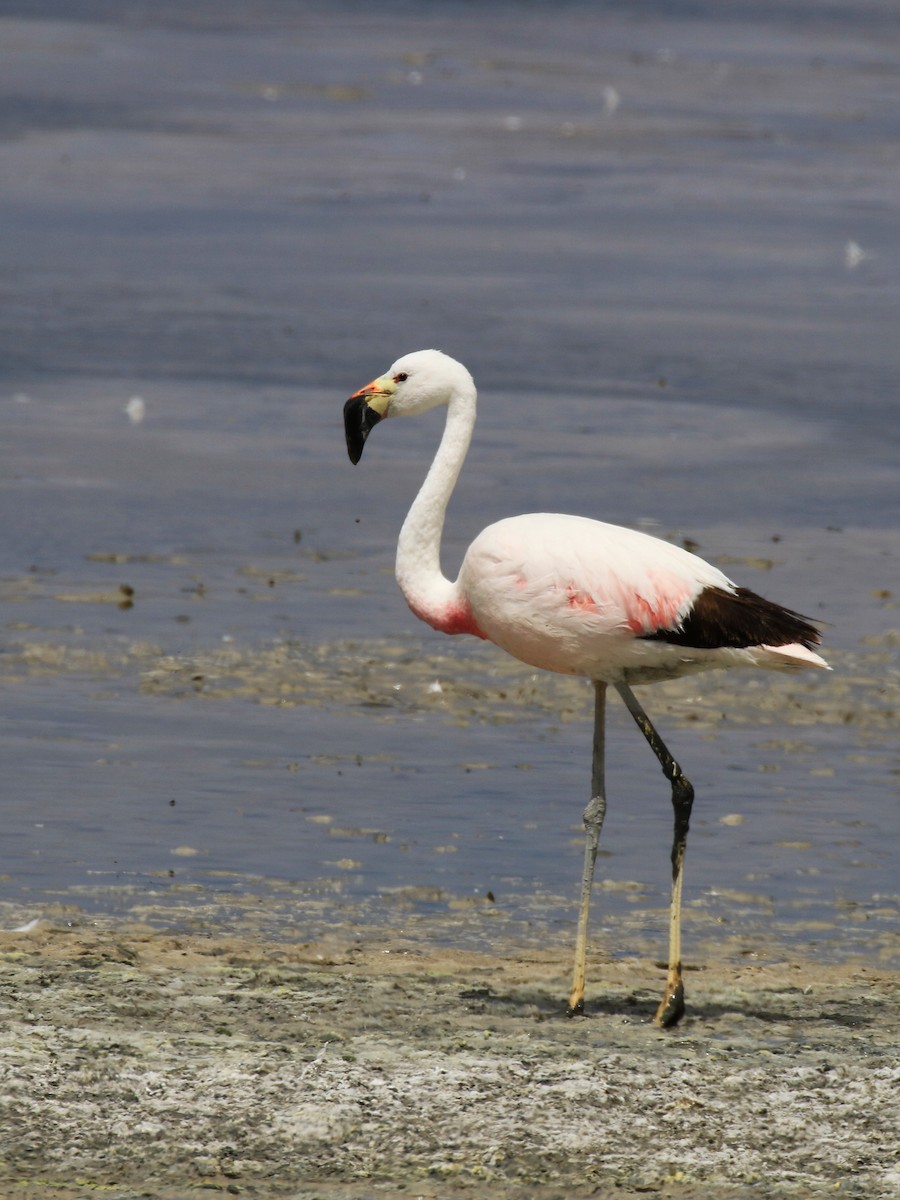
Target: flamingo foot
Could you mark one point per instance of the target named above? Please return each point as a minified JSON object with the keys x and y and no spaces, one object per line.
{"x":671,"y":1010}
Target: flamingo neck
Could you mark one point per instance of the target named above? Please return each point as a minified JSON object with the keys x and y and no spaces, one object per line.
{"x":431,"y":596}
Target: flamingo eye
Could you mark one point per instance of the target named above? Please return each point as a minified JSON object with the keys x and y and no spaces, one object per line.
{"x":401,"y":378}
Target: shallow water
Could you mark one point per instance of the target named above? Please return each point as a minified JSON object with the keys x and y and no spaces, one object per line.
{"x":666,"y":246}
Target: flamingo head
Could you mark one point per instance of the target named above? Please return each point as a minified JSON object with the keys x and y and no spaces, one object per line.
{"x":414,"y":384}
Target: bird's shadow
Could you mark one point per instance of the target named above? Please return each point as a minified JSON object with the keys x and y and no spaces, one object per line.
{"x":544,"y":1006}
{"x":639,"y":1007}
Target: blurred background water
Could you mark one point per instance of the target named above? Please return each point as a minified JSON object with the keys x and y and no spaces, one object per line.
{"x":663,"y":238}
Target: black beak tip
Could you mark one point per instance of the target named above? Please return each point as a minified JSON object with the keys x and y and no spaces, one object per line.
{"x":359,"y":421}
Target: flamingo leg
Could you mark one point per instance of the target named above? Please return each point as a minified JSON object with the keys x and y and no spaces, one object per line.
{"x":671,"y":1008}
{"x":593,"y":823}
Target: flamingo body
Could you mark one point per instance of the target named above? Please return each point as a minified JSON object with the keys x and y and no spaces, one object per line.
{"x":578,"y":597}
{"x":582,"y":597}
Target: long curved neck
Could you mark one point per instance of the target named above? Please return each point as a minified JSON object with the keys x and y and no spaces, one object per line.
{"x":418,"y":568}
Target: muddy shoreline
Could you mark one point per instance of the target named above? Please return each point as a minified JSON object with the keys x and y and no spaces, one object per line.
{"x":143,"y":1063}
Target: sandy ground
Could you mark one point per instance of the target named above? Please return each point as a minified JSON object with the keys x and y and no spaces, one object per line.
{"x":139,"y":1063}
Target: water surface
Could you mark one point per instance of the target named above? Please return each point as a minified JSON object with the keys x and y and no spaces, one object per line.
{"x":664,"y":241}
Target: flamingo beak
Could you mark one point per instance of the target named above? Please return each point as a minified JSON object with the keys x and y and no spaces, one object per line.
{"x":363,"y":411}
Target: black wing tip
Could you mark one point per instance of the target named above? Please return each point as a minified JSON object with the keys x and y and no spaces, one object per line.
{"x":737,"y":620}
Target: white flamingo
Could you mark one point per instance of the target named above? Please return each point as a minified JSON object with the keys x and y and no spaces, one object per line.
{"x":576,"y":596}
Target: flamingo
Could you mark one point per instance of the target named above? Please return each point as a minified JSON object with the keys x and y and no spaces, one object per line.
{"x":579,"y":597}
